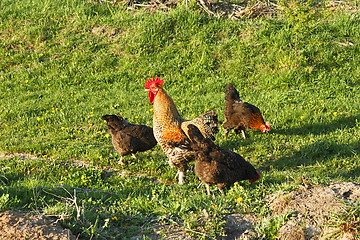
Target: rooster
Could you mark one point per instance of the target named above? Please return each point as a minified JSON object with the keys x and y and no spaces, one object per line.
{"x":240,"y":115}
{"x":218,"y":166}
{"x":129,"y":138}
{"x":170,"y":129}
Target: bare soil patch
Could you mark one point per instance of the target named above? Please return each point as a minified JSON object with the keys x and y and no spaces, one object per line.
{"x":311,"y":208}
{"x":240,"y":226}
{"x":20,"y":225}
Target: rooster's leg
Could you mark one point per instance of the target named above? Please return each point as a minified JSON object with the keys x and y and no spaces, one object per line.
{"x":121,"y":161}
{"x":243,"y":134}
{"x":133,"y":156}
{"x":181,"y":177}
{"x":226,"y":132}
{"x":177,"y":174}
{"x":208,"y":189}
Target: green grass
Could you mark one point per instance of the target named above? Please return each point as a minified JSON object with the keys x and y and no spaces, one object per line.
{"x":64,"y":64}
{"x":348,"y":221}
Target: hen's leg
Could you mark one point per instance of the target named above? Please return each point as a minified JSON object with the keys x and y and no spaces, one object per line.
{"x":208,"y":189}
{"x":226,"y":132}
{"x":121,"y":161}
{"x":177,"y":174}
{"x":133,"y":156}
{"x":243,"y":133}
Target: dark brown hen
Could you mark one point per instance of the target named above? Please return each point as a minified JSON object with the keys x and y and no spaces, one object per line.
{"x":129,"y":138}
{"x":240,"y":115}
{"x":218,"y":166}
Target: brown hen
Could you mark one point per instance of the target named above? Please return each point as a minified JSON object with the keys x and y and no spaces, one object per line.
{"x":240,"y":115}
{"x":218,"y":166}
{"x":129,"y":138}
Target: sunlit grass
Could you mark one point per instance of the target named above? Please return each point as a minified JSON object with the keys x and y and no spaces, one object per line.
{"x":65,"y":64}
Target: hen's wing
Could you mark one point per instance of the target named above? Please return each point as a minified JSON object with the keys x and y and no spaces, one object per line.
{"x":122,"y":143}
{"x":140,"y":136}
{"x":241,"y":115}
{"x":235,"y":167}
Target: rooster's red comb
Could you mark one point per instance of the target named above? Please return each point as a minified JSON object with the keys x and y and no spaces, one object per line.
{"x":152,"y":81}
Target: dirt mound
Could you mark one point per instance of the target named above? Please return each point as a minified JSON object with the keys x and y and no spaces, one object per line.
{"x":20,"y":225}
{"x":240,"y":226}
{"x":310,"y":209}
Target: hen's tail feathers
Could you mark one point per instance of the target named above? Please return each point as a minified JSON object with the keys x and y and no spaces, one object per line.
{"x":198,"y":142}
{"x":194,"y":133}
{"x":208,"y":124}
{"x":231,"y":94}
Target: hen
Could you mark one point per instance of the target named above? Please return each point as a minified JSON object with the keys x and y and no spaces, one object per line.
{"x":218,"y":166}
{"x":170,"y":129}
{"x":240,"y":115}
{"x":129,"y":138}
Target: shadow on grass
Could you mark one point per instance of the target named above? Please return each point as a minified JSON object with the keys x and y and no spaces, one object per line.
{"x":319,"y":152}
{"x":321,"y":128}
{"x":235,"y":142}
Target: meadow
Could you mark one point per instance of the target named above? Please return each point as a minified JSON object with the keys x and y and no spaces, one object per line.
{"x":64,"y":64}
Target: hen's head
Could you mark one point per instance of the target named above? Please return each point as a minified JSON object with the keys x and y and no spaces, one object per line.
{"x":153,"y":85}
{"x":114,"y":122}
{"x":265,"y":128}
{"x":255,"y":178}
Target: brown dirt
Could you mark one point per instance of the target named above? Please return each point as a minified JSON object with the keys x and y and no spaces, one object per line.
{"x":311,"y":208}
{"x":220,"y":8}
{"x":240,"y":226}
{"x":20,"y":225}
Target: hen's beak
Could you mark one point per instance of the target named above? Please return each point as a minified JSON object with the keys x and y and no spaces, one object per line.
{"x":147,"y":90}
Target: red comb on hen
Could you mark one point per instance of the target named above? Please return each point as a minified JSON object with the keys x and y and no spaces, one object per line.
{"x":152,"y":81}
